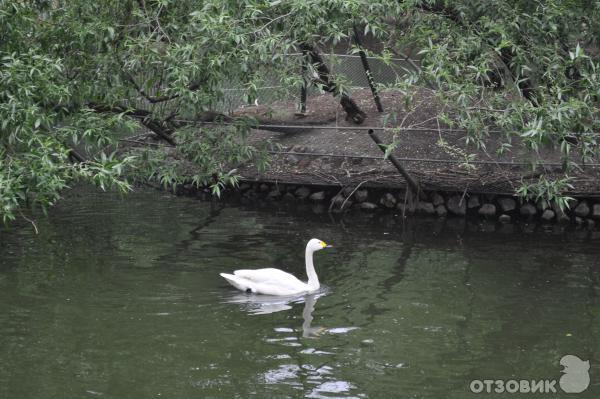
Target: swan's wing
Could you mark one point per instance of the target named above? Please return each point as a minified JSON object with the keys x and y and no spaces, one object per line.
{"x":238,"y":282}
{"x":268,"y":281}
{"x":268,"y":275}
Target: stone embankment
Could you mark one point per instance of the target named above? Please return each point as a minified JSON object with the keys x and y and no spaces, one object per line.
{"x":504,"y":209}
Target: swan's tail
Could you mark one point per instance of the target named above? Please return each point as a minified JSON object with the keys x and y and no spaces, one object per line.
{"x":237,"y":282}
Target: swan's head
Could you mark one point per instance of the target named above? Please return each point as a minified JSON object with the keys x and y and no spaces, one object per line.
{"x":316,"y":245}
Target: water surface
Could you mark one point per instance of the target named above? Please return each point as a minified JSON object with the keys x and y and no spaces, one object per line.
{"x":121,"y":298}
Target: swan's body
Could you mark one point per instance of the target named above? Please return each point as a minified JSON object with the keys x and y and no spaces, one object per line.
{"x":277,"y":282}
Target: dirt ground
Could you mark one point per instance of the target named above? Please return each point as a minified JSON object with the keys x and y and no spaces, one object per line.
{"x":358,"y":160}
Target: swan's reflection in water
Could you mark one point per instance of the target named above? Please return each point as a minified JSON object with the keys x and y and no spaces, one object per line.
{"x":309,"y":307}
{"x":265,"y":304}
{"x":317,"y":381}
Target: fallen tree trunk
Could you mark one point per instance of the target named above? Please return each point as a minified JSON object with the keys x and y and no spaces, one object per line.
{"x":165,"y":129}
{"x":353,"y":111}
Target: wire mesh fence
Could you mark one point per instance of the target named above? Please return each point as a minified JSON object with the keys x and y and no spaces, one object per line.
{"x":270,"y":89}
{"x":348,"y":67}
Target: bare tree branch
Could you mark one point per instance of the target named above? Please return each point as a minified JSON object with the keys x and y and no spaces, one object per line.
{"x":160,"y":128}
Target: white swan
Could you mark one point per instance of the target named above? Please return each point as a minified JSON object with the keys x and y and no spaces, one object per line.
{"x":277,"y":282}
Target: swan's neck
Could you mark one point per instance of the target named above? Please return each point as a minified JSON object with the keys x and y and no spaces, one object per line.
{"x":313,"y":280}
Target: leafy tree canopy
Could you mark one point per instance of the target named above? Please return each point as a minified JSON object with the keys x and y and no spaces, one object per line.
{"x":77,"y":75}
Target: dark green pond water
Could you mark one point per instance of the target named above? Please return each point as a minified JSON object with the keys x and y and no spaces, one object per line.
{"x":121,"y":298}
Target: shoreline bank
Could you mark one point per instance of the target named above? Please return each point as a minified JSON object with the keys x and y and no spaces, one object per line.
{"x":489,"y":208}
